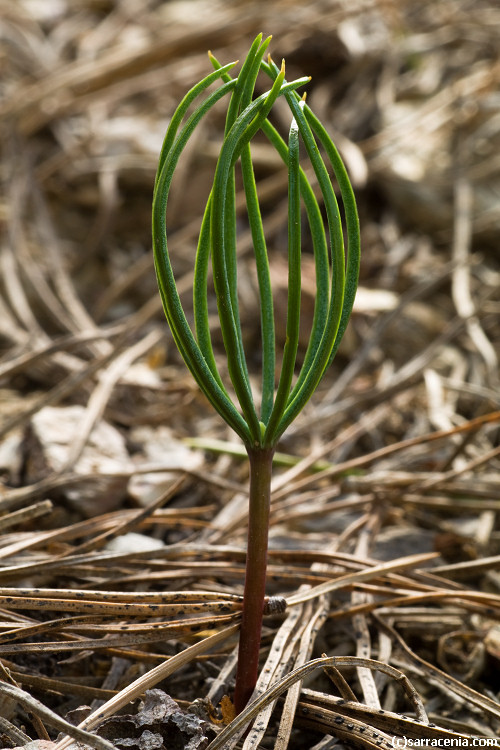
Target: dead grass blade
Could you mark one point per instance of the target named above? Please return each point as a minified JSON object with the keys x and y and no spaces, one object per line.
{"x":369,"y":728}
{"x":276,"y":666}
{"x":149,"y":680}
{"x":307,"y":642}
{"x":364,"y":575}
{"x":156,"y":633}
{"x":366,"y":460}
{"x":38,"y":709}
{"x":229,"y":735}
{"x":445,"y":681}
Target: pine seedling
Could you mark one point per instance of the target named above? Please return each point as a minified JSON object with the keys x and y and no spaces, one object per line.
{"x":284,"y":395}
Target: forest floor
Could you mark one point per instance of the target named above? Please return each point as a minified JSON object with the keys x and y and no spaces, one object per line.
{"x":123,"y":496}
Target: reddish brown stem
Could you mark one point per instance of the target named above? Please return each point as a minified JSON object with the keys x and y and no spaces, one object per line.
{"x":261,"y":462}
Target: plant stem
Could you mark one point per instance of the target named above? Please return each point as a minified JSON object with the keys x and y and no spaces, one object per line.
{"x":261,"y":460}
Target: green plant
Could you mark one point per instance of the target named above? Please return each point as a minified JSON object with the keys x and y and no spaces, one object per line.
{"x":336,"y":282}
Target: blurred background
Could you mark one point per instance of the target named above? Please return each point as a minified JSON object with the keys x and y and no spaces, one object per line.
{"x":409,"y":92}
